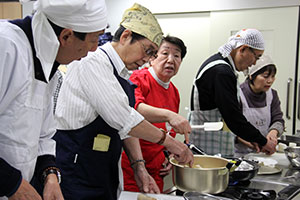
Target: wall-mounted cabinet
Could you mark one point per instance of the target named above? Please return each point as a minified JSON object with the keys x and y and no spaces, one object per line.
{"x":10,"y":10}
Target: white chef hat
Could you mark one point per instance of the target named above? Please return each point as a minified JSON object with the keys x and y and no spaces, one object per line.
{"x":263,"y":61}
{"x":250,"y":37}
{"x":79,"y":15}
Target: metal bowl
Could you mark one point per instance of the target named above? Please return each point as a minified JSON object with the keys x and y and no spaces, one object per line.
{"x":212,"y":178}
{"x":293,"y":154}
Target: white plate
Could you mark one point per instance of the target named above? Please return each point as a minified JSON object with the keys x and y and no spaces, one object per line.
{"x":126,"y":195}
{"x":263,"y":170}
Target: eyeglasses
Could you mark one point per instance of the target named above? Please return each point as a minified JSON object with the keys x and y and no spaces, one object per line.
{"x":255,"y":55}
{"x":149,"y":51}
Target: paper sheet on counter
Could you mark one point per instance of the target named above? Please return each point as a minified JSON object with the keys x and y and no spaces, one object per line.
{"x":125,"y":195}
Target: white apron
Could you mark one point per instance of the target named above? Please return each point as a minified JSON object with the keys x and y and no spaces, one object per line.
{"x":212,"y":142}
{"x":260,"y":118}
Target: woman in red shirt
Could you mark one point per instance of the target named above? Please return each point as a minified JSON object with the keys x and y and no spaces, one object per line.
{"x":157,"y":99}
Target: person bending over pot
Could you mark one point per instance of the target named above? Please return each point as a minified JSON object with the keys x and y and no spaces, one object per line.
{"x":95,"y":113}
{"x":215,"y":96}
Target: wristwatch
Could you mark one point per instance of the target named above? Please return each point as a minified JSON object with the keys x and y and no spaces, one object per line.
{"x":52,"y":170}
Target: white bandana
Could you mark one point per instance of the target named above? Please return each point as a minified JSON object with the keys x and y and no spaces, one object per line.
{"x":84,"y":16}
{"x":250,"y":37}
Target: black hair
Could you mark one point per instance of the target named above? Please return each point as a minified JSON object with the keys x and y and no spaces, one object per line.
{"x":57,"y":29}
{"x":271,"y":69}
{"x":121,"y":29}
{"x":176,"y":41}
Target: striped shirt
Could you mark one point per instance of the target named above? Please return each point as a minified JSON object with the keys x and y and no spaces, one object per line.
{"x":91,"y":89}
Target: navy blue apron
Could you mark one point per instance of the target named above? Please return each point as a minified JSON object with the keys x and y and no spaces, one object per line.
{"x":86,"y":173}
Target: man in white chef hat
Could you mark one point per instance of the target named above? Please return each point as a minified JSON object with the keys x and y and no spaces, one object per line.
{"x":215,"y":96}
{"x":32,"y":48}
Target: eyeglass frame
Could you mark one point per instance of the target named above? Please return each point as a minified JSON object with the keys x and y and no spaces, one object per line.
{"x":149,"y":52}
{"x":255,"y":55}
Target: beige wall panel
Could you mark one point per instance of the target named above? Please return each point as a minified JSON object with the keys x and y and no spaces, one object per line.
{"x":11,"y":10}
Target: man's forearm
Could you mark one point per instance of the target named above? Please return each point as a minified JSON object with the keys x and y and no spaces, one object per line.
{"x":133,"y":149}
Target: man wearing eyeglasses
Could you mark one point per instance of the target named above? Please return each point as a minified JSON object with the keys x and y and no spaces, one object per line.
{"x":215,"y":96}
{"x":95,"y":114}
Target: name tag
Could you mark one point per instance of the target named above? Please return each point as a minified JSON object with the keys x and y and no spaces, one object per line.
{"x":101,"y":143}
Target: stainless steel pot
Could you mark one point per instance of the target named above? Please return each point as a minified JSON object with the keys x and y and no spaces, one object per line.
{"x":212,"y":177}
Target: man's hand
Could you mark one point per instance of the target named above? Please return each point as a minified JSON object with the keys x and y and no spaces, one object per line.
{"x":144,"y":181}
{"x":52,"y":189}
{"x":181,"y":152}
{"x":25,"y":192}
{"x":272,"y":135}
{"x":180,"y":125}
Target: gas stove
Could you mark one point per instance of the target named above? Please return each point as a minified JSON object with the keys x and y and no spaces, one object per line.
{"x":236,"y":193}
{"x":233,"y":192}
{"x":256,"y":189}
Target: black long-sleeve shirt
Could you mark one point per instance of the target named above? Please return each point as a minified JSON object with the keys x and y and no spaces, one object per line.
{"x":218,"y":89}
{"x":10,"y":179}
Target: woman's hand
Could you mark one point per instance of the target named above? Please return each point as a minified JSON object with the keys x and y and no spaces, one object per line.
{"x":167,"y":166}
{"x":248,"y":144}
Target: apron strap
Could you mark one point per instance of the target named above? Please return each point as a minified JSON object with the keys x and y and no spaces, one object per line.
{"x":204,"y":69}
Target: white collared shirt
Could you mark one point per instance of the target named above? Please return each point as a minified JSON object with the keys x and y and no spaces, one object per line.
{"x":91,"y":89}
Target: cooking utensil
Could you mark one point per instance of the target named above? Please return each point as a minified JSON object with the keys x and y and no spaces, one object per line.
{"x":212,"y":177}
{"x":293,"y":154}
{"x":195,"y":149}
{"x":209,"y":126}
